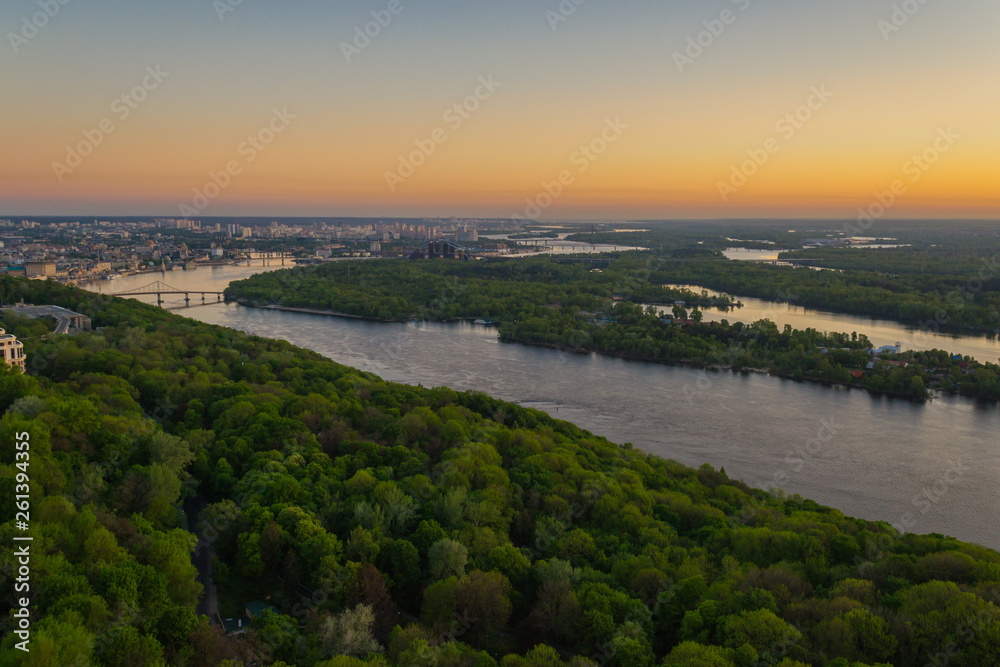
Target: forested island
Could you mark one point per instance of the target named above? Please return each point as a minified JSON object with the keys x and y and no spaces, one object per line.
{"x":590,"y":305}
{"x":381,"y":524}
{"x":939,"y":277}
{"x":946,"y":302}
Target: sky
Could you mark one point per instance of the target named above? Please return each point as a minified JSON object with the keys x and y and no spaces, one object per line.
{"x":543,"y":109}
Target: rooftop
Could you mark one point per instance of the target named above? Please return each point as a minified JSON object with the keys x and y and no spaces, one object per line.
{"x":41,"y":311}
{"x":67,"y":321}
{"x":258,"y":607}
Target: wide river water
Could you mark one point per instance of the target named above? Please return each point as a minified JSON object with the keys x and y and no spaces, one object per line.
{"x":880,"y":332}
{"x":933,"y":467}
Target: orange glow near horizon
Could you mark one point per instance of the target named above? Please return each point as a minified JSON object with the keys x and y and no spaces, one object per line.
{"x":686,"y":131}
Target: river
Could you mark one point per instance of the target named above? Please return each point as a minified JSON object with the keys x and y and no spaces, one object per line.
{"x":880,"y":332}
{"x":932,"y":467}
{"x":559,"y":245}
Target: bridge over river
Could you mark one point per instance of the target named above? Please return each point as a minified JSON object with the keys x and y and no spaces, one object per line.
{"x":161,"y":289}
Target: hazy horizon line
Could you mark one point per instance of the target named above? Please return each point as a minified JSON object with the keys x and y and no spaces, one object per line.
{"x":553,"y":221}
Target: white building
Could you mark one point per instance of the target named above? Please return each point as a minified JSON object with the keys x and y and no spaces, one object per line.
{"x":888,"y":349}
{"x":13,"y":350}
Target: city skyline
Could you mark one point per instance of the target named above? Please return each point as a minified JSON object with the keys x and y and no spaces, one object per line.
{"x":552,"y":110}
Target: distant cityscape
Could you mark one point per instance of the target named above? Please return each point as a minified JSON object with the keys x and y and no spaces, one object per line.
{"x":81,"y":250}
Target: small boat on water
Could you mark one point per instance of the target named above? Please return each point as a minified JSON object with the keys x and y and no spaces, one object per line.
{"x":113,"y":276}
{"x":483,"y":323}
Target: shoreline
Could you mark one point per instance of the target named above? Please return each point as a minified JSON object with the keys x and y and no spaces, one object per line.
{"x":315,"y":311}
{"x":348,"y":316}
{"x":760,"y":371}
{"x":664,"y":362}
{"x":910,"y":324}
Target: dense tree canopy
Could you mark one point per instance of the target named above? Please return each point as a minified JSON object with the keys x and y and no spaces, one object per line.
{"x":565,"y":303}
{"x":397,"y":525}
{"x":931,"y":274}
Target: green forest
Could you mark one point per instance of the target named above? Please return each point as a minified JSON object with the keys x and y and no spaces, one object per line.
{"x":393,"y":525}
{"x":912,"y":294}
{"x":939,"y":277}
{"x":452,"y":290}
{"x":605,"y":306}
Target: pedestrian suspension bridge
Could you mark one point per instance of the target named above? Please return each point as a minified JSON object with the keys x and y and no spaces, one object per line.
{"x":161,"y":289}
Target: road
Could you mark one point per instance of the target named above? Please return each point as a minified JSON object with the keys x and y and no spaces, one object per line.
{"x":208,"y":605}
